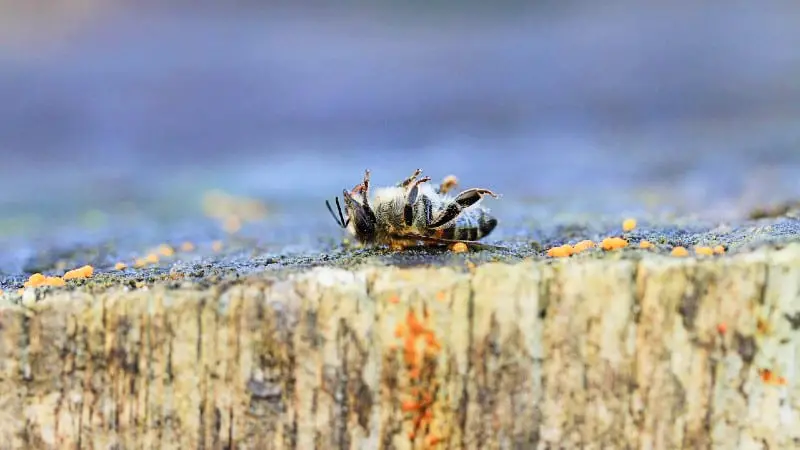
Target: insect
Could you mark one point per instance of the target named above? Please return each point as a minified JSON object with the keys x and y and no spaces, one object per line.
{"x":413,"y":211}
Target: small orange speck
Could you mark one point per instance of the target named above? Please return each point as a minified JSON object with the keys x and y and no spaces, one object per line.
{"x":722,"y":328}
{"x":120,"y":266}
{"x":399,"y":330}
{"x":81,"y":272}
{"x":20,"y":291}
{"x":703,"y":251}
{"x":628,"y":224}
{"x":459,"y":247}
{"x":1,"y":292}
{"x":166,"y":250}
{"x":36,"y":279}
{"x":187,"y":247}
{"x":679,"y":251}
{"x":719,"y":250}
{"x":412,"y":435}
{"x":561,"y":252}
{"x":440,"y":296}
{"x":583,"y":245}
{"x":394,"y":299}
{"x":646,"y":244}
{"x":216,"y":246}
{"x":613,"y":243}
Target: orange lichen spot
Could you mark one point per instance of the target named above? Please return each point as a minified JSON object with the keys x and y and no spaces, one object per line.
{"x":762,"y":326}
{"x":459,"y":247}
{"x":394,"y":299}
{"x":216,"y":246}
{"x":583,"y":245}
{"x":399,"y":330}
{"x":187,"y":247}
{"x":410,"y":405}
{"x":679,"y":251}
{"x":646,"y":244}
{"x":120,"y":266}
{"x":1,"y":292}
{"x":433,"y":440}
{"x":166,"y":250}
{"x":81,"y":272}
{"x":769,"y":377}
{"x":561,"y":252}
{"x":719,"y":250}
{"x":703,"y":251}
{"x":613,"y":243}
{"x":441,"y":296}
{"x":628,"y":224}
{"x":722,"y":328}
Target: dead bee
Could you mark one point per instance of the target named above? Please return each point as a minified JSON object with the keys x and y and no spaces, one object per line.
{"x":412,"y":211}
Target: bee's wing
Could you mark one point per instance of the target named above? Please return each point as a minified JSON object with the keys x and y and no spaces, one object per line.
{"x":435,"y":240}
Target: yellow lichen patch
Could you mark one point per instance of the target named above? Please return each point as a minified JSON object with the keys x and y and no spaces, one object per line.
{"x":719,"y":250}
{"x":561,"y":252}
{"x":165,"y":250}
{"x":120,"y":266}
{"x":187,"y":247}
{"x":613,"y":243}
{"x":139,"y":263}
{"x":583,"y":246}
{"x":81,"y":272}
{"x":216,"y":246}
{"x":703,"y":251}
{"x":151,"y":258}
{"x":35,"y":280}
{"x":459,"y":247}
{"x":679,"y":251}
{"x":646,"y":244}
{"x":394,"y":299}
{"x":628,"y":224}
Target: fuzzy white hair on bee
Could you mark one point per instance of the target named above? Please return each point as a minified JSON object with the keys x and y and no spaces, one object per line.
{"x":414,"y":211}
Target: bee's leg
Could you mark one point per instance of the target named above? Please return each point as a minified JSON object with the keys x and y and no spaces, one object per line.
{"x":411,"y":198}
{"x":365,"y":189}
{"x":463,"y":200}
{"x":448,"y":183}
{"x":410,"y":179}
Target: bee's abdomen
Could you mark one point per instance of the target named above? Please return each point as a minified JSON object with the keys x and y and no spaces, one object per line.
{"x":473,"y":228}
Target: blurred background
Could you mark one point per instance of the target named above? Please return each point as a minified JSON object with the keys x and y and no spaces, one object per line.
{"x":138,"y":109}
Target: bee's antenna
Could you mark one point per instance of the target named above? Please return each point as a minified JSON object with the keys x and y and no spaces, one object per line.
{"x":328,"y":204}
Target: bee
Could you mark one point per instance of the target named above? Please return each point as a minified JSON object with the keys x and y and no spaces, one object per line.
{"x":413,"y":211}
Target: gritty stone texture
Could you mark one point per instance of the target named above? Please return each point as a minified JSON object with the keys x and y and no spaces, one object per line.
{"x":651,"y":353}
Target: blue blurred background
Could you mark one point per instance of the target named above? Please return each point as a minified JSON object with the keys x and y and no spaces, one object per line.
{"x":109,"y":106}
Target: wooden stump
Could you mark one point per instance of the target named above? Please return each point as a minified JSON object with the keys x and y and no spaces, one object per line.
{"x":661,"y":353}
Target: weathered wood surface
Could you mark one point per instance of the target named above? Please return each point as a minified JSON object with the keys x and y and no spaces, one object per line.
{"x":657,"y":354}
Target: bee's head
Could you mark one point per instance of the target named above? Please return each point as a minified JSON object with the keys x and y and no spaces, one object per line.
{"x":358,"y":219}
